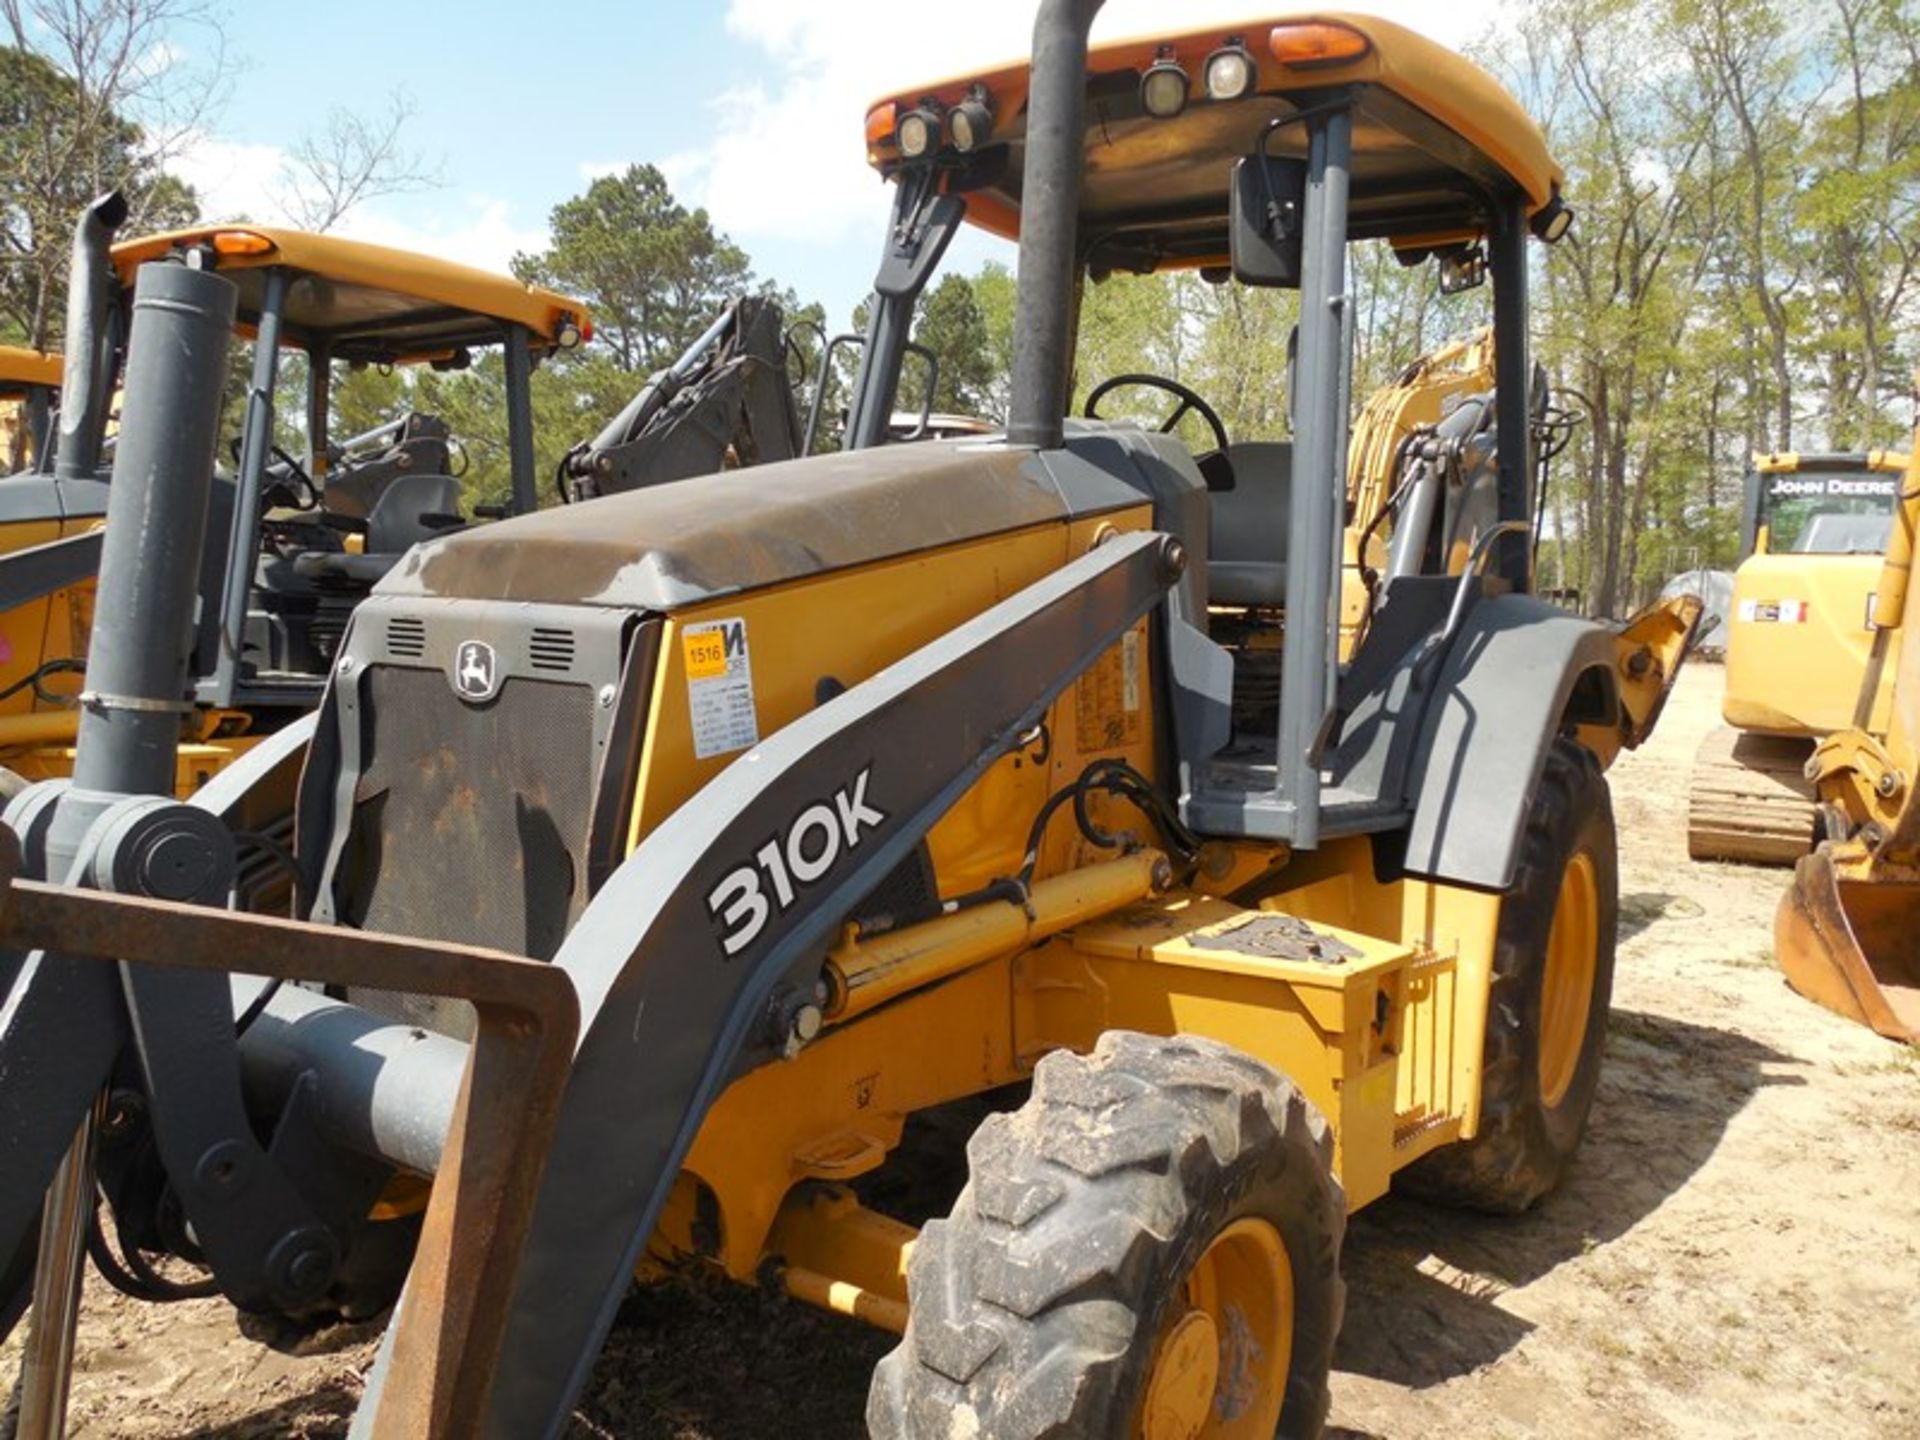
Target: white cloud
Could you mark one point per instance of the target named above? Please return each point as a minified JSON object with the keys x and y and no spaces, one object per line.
{"x":234,"y":179}
{"x":785,"y":161}
{"x":231,"y":178}
{"x":473,"y":229}
{"x":1653,"y":172}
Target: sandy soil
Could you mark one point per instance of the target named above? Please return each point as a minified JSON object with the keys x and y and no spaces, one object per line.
{"x":1738,"y":1253}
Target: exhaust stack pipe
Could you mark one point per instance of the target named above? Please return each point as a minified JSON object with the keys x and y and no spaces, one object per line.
{"x":156,"y":526}
{"x":1049,"y":222}
{"x":86,"y":387}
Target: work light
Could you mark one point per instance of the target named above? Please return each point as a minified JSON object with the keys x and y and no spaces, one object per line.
{"x":1230,"y":72}
{"x":1163,"y":89}
{"x":1552,"y":220}
{"x":971,"y":121}
{"x":919,"y":129}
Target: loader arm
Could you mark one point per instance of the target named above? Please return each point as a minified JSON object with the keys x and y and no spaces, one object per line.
{"x":509,"y":1092}
{"x":39,"y":570}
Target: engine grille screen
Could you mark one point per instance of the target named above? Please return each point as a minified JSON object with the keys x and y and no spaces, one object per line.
{"x":470,"y":821}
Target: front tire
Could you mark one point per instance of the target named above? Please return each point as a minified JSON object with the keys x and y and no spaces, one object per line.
{"x":1547,"y":1008}
{"x":1148,"y":1248}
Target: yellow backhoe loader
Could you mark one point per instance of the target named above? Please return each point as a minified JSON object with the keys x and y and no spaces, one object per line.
{"x":1848,"y":932}
{"x":302,"y":538}
{"x":652,"y":863}
{"x":1813,"y":530}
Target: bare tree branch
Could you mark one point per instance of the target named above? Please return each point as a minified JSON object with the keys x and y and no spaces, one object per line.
{"x":100,"y":94}
{"x":354,"y":159}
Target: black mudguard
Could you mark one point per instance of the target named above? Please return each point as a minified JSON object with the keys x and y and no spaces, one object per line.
{"x":1519,"y":671}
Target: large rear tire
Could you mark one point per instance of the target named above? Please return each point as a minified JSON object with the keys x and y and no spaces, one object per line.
{"x":1547,"y":1011}
{"x":1148,"y":1248}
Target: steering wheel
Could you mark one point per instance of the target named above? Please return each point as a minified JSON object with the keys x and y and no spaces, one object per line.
{"x":1188,"y":399}
{"x":300,"y":482}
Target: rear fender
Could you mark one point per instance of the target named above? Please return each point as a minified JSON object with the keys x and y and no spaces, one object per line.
{"x":1520,"y":673}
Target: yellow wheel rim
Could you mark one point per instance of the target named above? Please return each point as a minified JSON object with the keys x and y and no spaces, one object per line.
{"x":1220,"y":1364}
{"x":1566,"y":991}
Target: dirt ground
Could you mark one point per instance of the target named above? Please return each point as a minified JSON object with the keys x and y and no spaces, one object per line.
{"x":1737,"y":1254}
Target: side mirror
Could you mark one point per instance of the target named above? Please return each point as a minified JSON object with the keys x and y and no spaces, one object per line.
{"x":1462,"y":268}
{"x":1266,"y":214}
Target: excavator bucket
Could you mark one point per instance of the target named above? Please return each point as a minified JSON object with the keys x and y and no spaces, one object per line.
{"x":1852,"y":945}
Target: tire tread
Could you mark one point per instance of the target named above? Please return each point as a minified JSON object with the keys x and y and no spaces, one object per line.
{"x":1029,"y":1300}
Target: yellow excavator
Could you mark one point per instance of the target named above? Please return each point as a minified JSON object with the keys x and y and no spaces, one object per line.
{"x":1813,"y":529}
{"x":1846,"y":933}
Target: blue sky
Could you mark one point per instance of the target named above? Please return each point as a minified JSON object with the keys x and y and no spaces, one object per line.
{"x":753,"y":108}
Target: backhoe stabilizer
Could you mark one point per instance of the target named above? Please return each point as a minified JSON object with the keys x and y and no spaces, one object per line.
{"x":1852,"y":945}
{"x":1652,"y":647}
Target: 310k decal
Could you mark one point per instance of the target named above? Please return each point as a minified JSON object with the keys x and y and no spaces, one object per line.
{"x":813,"y":842}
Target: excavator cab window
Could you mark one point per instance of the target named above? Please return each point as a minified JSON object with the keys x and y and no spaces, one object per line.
{"x":1818,"y":504}
{"x":1822,"y":511}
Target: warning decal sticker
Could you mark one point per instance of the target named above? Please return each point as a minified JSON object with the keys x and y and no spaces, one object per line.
{"x":1775,"y":612}
{"x":719,"y":687}
{"x":1106,"y":701}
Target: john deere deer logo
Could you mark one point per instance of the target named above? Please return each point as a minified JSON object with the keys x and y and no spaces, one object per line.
{"x":475,"y":670}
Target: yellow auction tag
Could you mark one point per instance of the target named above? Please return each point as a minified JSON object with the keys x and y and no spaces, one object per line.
{"x":706,"y":653}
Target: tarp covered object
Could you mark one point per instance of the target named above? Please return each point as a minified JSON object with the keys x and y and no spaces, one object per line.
{"x":1715,"y":589}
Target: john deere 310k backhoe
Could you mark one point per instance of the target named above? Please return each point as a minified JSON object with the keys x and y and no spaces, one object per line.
{"x":655,"y":861}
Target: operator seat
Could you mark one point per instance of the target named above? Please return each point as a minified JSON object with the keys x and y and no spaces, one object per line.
{"x":411,"y":509}
{"x":422,"y":447}
{"x":1247,"y":526}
